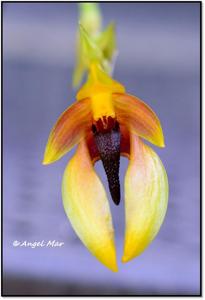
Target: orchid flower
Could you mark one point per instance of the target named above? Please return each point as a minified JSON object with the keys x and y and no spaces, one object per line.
{"x":105,"y":123}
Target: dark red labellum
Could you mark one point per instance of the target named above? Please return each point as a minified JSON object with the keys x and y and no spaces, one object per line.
{"x":107,"y":140}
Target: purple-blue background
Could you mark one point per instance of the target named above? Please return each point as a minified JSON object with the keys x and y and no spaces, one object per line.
{"x":159,"y":61}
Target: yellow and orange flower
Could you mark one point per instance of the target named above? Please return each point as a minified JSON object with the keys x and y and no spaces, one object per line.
{"x":106,"y":122}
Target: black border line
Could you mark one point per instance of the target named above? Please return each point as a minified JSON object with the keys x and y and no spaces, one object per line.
{"x":201,"y":190}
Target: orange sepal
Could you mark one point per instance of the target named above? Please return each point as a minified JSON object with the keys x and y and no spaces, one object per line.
{"x":139,"y":117}
{"x":69,"y":129}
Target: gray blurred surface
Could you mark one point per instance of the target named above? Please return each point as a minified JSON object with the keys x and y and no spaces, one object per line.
{"x":159,"y":62}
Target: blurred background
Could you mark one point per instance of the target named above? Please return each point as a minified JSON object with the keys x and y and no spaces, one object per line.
{"x":159,"y":61}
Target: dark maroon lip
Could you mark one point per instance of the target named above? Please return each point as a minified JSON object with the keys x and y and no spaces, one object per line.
{"x":104,"y":124}
{"x":107,"y":141}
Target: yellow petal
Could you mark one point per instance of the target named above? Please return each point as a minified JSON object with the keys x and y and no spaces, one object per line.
{"x":146,"y":197}
{"x":99,"y":82}
{"x":133,"y":112}
{"x":69,"y":129}
{"x":87,"y":207}
{"x":99,"y":88}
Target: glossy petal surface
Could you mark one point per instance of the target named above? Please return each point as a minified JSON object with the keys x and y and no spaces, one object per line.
{"x":87,"y":207}
{"x":133,"y":112}
{"x":146,"y":196}
{"x":69,"y":129}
